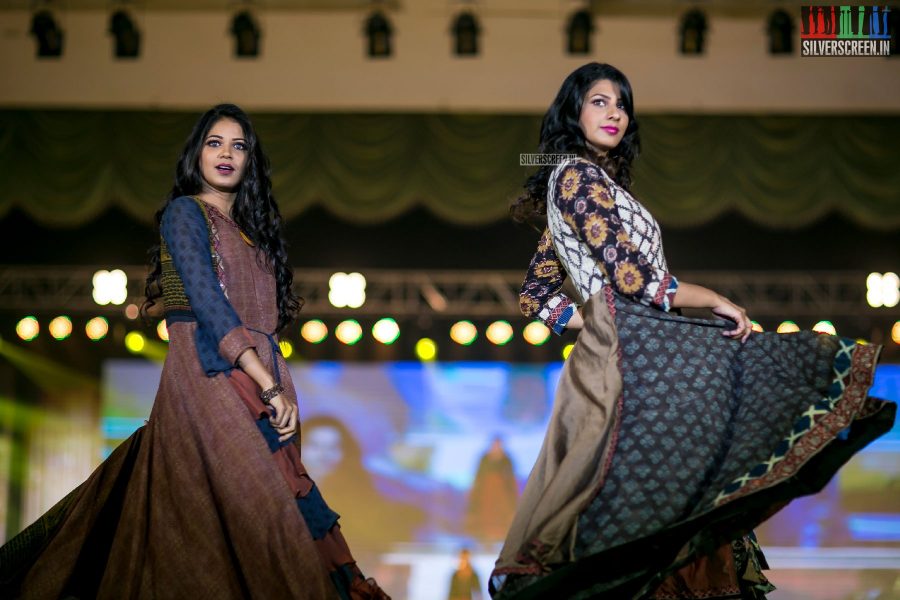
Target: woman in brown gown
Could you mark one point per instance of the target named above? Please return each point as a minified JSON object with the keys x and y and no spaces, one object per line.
{"x":209,"y":499}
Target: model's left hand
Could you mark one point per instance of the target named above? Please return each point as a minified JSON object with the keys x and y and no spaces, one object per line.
{"x":731,"y":311}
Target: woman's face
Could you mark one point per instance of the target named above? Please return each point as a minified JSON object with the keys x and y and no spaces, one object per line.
{"x":603,"y":118}
{"x":224,"y":156}
{"x":321,"y":450}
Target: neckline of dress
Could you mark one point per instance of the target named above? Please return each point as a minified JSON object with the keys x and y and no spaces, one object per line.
{"x":214,"y":209}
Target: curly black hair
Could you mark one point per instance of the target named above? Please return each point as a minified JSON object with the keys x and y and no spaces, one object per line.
{"x":254,"y":210}
{"x":562,"y":134}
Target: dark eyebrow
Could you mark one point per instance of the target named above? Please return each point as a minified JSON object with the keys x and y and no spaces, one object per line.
{"x":604,"y":96}
{"x":214,"y":135}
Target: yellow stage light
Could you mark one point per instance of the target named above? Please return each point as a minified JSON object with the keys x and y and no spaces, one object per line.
{"x":96,"y":329}
{"x":287,"y":348}
{"x":28,"y":328}
{"x":463,"y":333}
{"x":895,"y":332}
{"x":348,"y":332}
{"x":135,"y":341}
{"x":536,"y":333}
{"x":756,"y":327}
{"x":162,"y":331}
{"x":788,"y":327}
{"x":426,"y":349}
{"x":499,"y":332}
{"x":60,"y":327}
{"x":567,"y":350}
{"x":314,"y":331}
{"x":386,"y":331}
{"x":824,"y":327}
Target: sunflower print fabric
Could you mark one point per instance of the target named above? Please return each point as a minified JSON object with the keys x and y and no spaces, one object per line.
{"x":540,"y":297}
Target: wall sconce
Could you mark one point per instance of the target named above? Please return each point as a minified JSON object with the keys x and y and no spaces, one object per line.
{"x":465,"y":33}
{"x":126,"y":37}
{"x":246,"y":35}
{"x":378,"y":31}
{"x":693,"y":32}
{"x":781,"y":33}
{"x":579,"y":30}
{"x":47,"y":33}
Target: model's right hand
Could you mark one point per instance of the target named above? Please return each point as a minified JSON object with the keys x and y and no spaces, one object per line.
{"x":731,"y":311}
{"x":284,"y":417}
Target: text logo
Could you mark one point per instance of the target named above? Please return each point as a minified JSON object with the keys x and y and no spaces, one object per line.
{"x":845,"y":31}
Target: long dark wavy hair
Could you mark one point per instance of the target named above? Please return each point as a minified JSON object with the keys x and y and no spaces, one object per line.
{"x":254,"y":210}
{"x":562,"y":134}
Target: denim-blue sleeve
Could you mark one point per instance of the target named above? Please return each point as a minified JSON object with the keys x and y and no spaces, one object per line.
{"x":185,"y":230}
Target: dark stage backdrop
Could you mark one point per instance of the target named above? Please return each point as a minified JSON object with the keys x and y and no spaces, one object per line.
{"x":65,"y":167}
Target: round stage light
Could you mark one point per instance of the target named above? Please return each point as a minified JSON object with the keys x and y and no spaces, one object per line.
{"x":347,"y":289}
{"x":426,"y":349}
{"x":567,"y":350}
{"x":756,"y":327}
{"x":96,"y":329}
{"x":895,"y":332}
{"x":825,"y":327}
{"x":314,"y":331}
{"x":499,"y":332}
{"x":287,"y":348}
{"x":348,"y":332}
{"x":883,"y":290}
{"x":110,"y":287}
{"x":60,"y":327}
{"x":162,"y":331}
{"x":463,"y":333}
{"x":135,"y":341}
{"x":28,"y":328}
{"x":132,"y":311}
{"x":788,"y":327}
{"x":536,"y":333}
{"x":386,"y":331}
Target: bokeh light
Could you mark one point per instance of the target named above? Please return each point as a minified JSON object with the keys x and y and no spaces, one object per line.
{"x":788,"y":327}
{"x":426,"y":349}
{"x":826,"y":327}
{"x":287,"y":348}
{"x":60,"y":327}
{"x":28,"y":328}
{"x":883,"y":290}
{"x":96,"y":329}
{"x":348,"y":332}
{"x":567,"y":350}
{"x":756,"y":327}
{"x":895,"y":332}
{"x":499,"y":332}
{"x":110,"y":287}
{"x":162,"y":331}
{"x":536,"y":333}
{"x":314,"y":331}
{"x":386,"y":331}
{"x":463,"y":333}
{"x":132,"y":311}
{"x":135,"y":341}
{"x":347,"y":289}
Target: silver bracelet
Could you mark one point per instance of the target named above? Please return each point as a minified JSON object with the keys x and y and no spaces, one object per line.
{"x":267,"y":395}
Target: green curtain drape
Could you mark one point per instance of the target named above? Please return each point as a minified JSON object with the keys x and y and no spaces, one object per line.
{"x":65,"y":166}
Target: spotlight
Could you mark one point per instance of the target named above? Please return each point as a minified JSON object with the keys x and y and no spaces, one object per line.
{"x":314,"y":331}
{"x":135,"y":342}
{"x":378,"y":31}
{"x":347,"y":290}
{"x":386,"y":331}
{"x":110,"y":287}
{"x":48,"y":34}
{"x":882,"y":290}
{"x":426,"y":349}
{"x":246,"y":35}
{"x":162,"y":331}
{"x":126,"y":34}
{"x":287,"y":348}
{"x":567,"y":350}
{"x":28,"y":328}
{"x":895,"y":332}
{"x":825,"y":327}
{"x":781,"y":33}
{"x":465,"y":34}
{"x":579,"y":30}
{"x":693,"y":32}
{"x":348,"y":332}
{"x":788,"y":327}
{"x":499,"y":332}
{"x":463,"y":333}
{"x":132,"y":311}
{"x":756,"y":327}
{"x":536,"y":333}
{"x":96,"y":329}
{"x":60,"y":327}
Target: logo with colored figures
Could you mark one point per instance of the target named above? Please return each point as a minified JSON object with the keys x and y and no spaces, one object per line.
{"x":845,"y":30}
